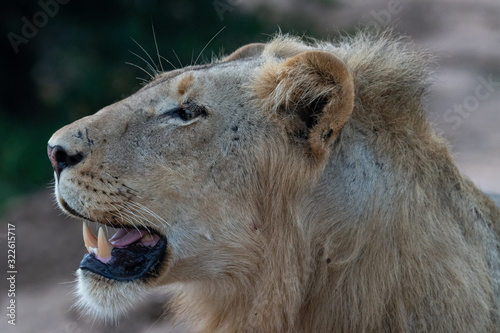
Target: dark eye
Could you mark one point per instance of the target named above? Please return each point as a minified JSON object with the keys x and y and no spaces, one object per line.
{"x":186,"y":114}
{"x":189,"y":112}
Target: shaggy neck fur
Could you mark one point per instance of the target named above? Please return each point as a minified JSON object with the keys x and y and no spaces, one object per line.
{"x":268,"y":298}
{"x":396,"y":246}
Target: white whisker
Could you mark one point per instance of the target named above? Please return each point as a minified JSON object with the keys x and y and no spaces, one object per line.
{"x":144,"y":81}
{"x":140,"y":209}
{"x":152,"y":213}
{"x":171,"y":64}
{"x":152,"y":61}
{"x":132,"y":218}
{"x":156,"y":45}
{"x":142,"y":69}
{"x":180,"y":63}
{"x":146,"y":62}
{"x":209,"y":43}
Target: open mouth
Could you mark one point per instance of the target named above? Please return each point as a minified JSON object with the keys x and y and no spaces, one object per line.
{"x":128,"y":255}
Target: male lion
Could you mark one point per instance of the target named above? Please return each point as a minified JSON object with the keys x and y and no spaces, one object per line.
{"x":288,"y":187}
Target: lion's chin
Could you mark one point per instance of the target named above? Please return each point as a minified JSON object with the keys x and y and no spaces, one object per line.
{"x":105,"y":299}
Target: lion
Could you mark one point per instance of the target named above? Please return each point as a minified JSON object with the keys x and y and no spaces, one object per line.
{"x":291,"y":186}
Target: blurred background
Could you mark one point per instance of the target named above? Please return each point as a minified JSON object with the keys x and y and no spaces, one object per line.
{"x":65,"y":59}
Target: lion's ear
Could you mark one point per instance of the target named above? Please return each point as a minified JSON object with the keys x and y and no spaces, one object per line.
{"x":249,"y":50}
{"x":312,"y":94}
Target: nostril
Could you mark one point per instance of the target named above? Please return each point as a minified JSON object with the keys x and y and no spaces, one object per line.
{"x":60,"y":155}
{"x":60,"y":159}
{"x":68,"y":160}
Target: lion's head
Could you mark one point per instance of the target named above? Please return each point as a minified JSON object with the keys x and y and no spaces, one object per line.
{"x":285,"y":187}
{"x":184,"y":168}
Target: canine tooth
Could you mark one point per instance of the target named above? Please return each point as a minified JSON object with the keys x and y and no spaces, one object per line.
{"x":104,"y":246}
{"x":147,"y":238}
{"x":89,"y":238}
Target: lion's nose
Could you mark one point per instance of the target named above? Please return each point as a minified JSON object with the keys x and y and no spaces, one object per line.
{"x":61,"y":160}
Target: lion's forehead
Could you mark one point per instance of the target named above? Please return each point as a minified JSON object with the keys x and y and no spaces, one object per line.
{"x":232,"y":72}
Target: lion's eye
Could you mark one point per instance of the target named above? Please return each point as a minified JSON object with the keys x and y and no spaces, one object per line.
{"x":186,"y":114}
{"x":189,"y":112}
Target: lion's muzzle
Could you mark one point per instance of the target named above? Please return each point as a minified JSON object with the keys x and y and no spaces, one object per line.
{"x":87,"y":190}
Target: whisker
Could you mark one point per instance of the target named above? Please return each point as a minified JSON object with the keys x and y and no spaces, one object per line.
{"x":168,"y":62}
{"x":133,"y":218}
{"x":156,"y":45}
{"x":119,"y":211}
{"x":140,"y":219}
{"x":147,"y":63}
{"x":142,"y":69}
{"x":139,"y":208}
{"x":180,"y":63}
{"x":224,"y":27}
{"x":157,"y":70}
{"x":121,"y":224}
{"x":130,"y":212}
{"x":142,"y":79}
{"x":152,"y":213}
{"x":67,"y":282}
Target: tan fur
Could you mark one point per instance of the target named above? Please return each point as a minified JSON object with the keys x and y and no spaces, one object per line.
{"x":313,"y":196}
{"x":247,"y":51}
{"x":185,"y":84}
{"x":312,"y":79}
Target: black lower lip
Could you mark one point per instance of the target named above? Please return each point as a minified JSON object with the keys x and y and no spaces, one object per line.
{"x":130,"y":263}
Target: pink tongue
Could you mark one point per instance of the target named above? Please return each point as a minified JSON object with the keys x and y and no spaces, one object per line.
{"x":124,"y":237}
